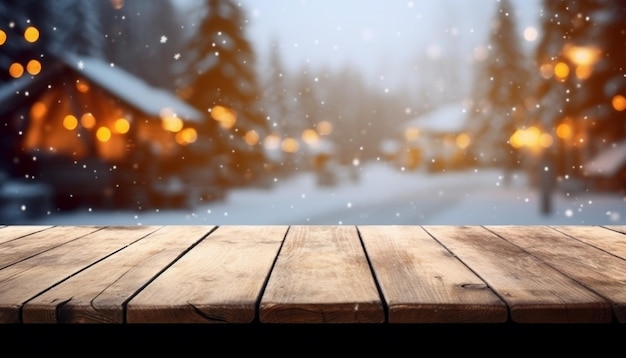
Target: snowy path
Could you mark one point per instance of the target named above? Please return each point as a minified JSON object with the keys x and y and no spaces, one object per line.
{"x":382,"y":195}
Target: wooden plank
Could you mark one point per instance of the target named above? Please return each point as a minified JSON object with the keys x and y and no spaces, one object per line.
{"x":219,"y":281}
{"x":534,"y":291}
{"x":10,"y":233}
{"x":98,"y":294}
{"x":603,"y":238}
{"x":603,"y":273}
{"x":618,"y":228}
{"x":321,"y":276}
{"x":423,"y":283}
{"x":27,"y":246}
{"x":26,"y":279}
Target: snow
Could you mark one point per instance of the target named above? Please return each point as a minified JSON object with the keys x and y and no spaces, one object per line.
{"x":384,"y":195}
{"x":608,"y":162}
{"x":450,"y":118}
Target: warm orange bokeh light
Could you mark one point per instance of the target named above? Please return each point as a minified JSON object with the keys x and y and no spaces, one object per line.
{"x":87,"y":120}
{"x":290,"y":145}
{"x":33,"y":67}
{"x":3,"y":37}
{"x":251,"y":137}
{"x":121,"y":126}
{"x":103,"y":134}
{"x":16,"y":70}
{"x":82,"y":86}
{"x":411,"y":134}
{"x":619,"y":102}
{"x":564,"y":131}
{"x":186,"y":136}
{"x":463,"y":140}
{"x":225,"y":116}
{"x":271,"y":142}
{"x":70,"y":122}
{"x":324,"y":128}
{"x":172,"y":124}
{"x":310,"y":136}
{"x":31,"y":34}
{"x":38,"y":111}
{"x":561,"y":70}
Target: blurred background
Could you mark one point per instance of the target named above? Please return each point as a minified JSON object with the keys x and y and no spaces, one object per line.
{"x":313,"y":112}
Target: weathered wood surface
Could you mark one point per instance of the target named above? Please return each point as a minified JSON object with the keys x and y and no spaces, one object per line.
{"x":321,"y":276}
{"x":269,"y":275}
{"x":423,"y":282}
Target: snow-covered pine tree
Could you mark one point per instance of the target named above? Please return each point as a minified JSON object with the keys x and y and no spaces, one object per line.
{"x":225,"y":86}
{"x":500,"y":89}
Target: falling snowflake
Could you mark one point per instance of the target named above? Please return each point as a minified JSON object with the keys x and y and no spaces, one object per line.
{"x":163,"y":39}
{"x":177,"y":56}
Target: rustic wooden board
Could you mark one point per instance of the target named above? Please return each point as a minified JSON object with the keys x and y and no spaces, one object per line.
{"x":26,"y":279}
{"x":602,"y":272}
{"x":618,"y":228}
{"x":27,"y":246}
{"x":423,"y":283}
{"x":9,"y":233}
{"x":321,"y":276}
{"x":219,"y":280}
{"x":608,"y":240}
{"x":534,"y":291}
{"x":98,"y":294}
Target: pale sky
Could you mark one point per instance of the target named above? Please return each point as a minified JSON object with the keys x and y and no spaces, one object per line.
{"x":380,"y":37}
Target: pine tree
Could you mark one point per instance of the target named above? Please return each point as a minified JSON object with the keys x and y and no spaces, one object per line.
{"x":500,"y":88}
{"x":225,"y":86}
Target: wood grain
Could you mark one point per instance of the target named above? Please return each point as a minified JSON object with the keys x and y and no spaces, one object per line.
{"x":603,"y":272}
{"x":533,"y":291}
{"x":9,"y":233}
{"x":219,"y":281}
{"x":98,"y":293}
{"x":321,"y":276}
{"x":28,"y":278}
{"x":423,"y":283}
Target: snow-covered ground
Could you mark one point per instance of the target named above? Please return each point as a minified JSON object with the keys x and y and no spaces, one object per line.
{"x":381,"y":195}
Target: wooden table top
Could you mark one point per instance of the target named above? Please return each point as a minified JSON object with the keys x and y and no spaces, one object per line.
{"x":313,"y":274}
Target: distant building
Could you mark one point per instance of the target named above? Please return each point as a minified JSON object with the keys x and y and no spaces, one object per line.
{"x":436,"y":140}
{"x":95,"y":133}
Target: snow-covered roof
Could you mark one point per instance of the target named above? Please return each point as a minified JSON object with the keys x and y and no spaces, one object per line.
{"x":131,"y":89}
{"x":446,"y":119}
{"x":608,"y":162}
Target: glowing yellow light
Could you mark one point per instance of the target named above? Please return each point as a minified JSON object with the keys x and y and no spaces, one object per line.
{"x":172,"y":124}
{"x":619,"y":102}
{"x":38,"y":110}
{"x":324,"y":128}
{"x":462,"y":141}
{"x":3,"y":37}
{"x":33,"y":67}
{"x":70,"y":122}
{"x":31,"y":34}
{"x":186,"y":136}
{"x":121,"y":125}
{"x":290,"y":145}
{"x":16,"y":70}
{"x":87,"y":120}
{"x":564,"y":131}
{"x":251,"y":137}
{"x":103,"y":134}
{"x":82,"y":87}
{"x":582,"y":55}
{"x":411,"y":134}
{"x":583,"y":71}
{"x":561,"y":70}
{"x":310,"y":136}
{"x":545,"y":140}
{"x":225,"y":116}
